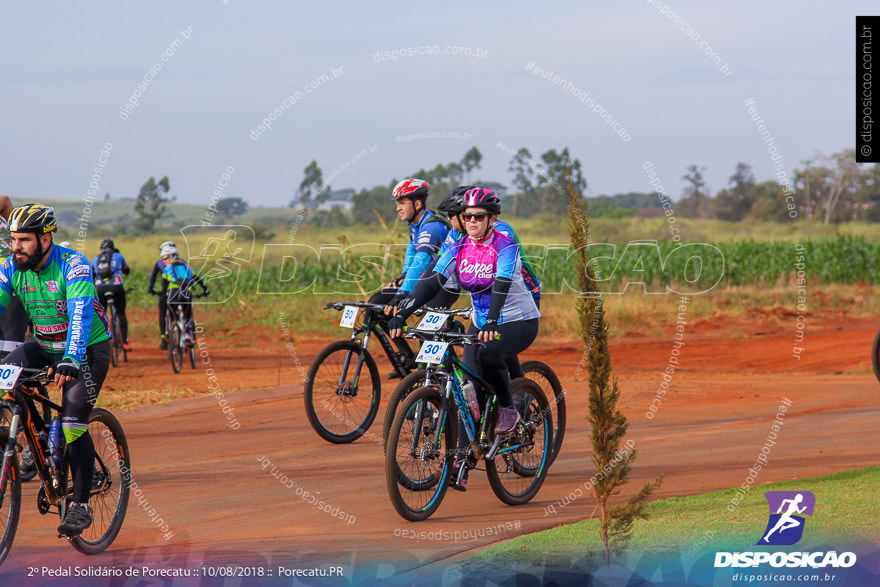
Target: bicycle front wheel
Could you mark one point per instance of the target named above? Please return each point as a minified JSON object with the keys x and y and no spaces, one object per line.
{"x":407,"y":385}
{"x":26,"y":454}
{"x":419,"y":448}
{"x":341,"y":400}
{"x":174,"y":347}
{"x":111,"y":483}
{"x":543,"y":375}
{"x":10,"y":495}
{"x":519,"y":467}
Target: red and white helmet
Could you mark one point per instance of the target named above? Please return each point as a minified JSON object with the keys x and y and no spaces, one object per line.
{"x":482,"y":198}
{"x":412,"y":188}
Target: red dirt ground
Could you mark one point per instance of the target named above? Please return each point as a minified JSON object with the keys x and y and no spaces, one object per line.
{"x":204,"y":479}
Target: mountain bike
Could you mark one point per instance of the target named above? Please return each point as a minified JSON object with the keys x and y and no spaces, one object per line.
{"x":422,"y":442}
{"x":108,"y":497}
{"x":537,"y":371}
{"x":181,"y":334}
{"x":117,"y":343}
{"x":339,"y":405}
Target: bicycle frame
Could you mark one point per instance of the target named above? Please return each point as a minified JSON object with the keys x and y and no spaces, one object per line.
{"x":362,"y":334}
{"x":454,"y":370}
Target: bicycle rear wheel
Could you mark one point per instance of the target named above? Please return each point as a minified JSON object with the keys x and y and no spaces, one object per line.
{"x":174,"y":347}
{"x":111,"y":483}
{"x":341,"y":408}
{"x":543,"y":375}
{"x":518,"y":469}
{"x":417,"y":451}
{"x":10,"y":496}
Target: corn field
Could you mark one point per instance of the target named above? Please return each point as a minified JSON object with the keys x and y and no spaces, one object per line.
{"x":687,"y":268}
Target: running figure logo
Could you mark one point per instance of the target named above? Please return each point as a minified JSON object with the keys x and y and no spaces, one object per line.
{"x":786,"y":526}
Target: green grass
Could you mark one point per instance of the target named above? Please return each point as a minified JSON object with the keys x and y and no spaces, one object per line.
{"x":845,"y":515}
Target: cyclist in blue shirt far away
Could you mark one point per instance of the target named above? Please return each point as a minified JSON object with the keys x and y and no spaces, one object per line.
{"x":108,"y":267}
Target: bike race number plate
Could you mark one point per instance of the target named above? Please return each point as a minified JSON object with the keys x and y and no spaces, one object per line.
{"x":349,"y":315}
{"x":8,"y":376}
{"x":432,"y":352}
{"x":432,"y":321}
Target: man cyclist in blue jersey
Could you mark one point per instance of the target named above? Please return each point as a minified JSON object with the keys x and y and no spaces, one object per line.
{"x":426,"y":233}
{"x":71,"y":336}
{"x":108,"y":267}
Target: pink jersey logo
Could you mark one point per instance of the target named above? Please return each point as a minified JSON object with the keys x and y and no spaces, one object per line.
{"x":476,"y":266}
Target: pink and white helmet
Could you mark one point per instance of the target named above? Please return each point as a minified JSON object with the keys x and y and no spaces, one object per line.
{"x":483,"y":198}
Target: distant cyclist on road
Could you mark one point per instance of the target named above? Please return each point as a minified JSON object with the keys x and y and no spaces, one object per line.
{"x":71,"y":336}
{"x":158,"y":268}
{"x":426,"y":233}
{"x":178,"y":280}
{"x":108,"y":267}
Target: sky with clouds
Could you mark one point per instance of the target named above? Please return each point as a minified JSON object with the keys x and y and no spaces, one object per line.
{"x":374,"y":92}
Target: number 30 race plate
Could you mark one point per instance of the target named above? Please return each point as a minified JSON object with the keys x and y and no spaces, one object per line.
{"x":432,"y":321}
{"x":432,"y":352}
{"x":8,"y":376}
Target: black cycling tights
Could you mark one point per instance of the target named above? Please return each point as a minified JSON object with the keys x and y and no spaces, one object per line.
{"x":490,"y":361}
{"x":77,"y":400}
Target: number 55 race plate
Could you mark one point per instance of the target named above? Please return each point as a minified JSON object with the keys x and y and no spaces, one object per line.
{"x":8,"y":376}
{"x":431,"y":352}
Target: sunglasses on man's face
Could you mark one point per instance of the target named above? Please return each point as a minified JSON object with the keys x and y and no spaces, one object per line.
{"x":479,"y":216}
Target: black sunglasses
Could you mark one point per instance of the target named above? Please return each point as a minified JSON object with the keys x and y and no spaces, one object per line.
{"x":479,"y":216}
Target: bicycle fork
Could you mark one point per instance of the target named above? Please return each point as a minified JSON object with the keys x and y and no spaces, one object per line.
{"x":8,"y":454}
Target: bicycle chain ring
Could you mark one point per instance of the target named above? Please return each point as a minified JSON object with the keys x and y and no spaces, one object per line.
{"x":43,"y":504}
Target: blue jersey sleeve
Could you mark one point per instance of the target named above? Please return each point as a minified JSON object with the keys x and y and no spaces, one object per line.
{"x":408,"y":259}
{"x":451,"y":237}
{"x":446,"y":263}
{"x":80,"y":311}
{"x":430,"y":237}
{"x":507,"y":261}
{"x":7,"y":268}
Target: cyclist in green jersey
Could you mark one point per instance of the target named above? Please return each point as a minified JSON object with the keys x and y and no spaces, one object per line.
{"x":71,"y":336}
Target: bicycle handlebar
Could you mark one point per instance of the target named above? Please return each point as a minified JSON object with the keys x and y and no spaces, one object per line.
{"x":341,"y":305}
{"x":450,"y":336}
{"x":457,"y":312}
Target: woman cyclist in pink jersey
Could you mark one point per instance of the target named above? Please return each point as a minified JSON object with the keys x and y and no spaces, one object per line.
{"x":487,"y":264}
